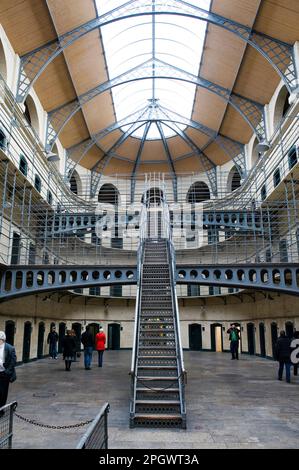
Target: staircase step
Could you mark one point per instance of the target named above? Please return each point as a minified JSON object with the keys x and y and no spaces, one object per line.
{"x":158,"y":367}
{"x":158,"y":402}
{"x":153,"y":378}
{"x":157,"y":357}
{"x":148,"y":416}
{"x":156,"y":390}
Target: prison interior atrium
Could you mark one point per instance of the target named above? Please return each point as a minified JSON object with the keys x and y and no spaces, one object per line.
{"x":149,"y":185}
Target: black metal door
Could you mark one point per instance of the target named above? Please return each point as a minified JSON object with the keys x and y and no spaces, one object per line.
{"x":274,"y":337}
{"x":26,"y":341}
{"x":262,"y":339}
{"x":10,"y":332}
{"x":114,"y":336}
{"x":61,"y":335}
{"x":250,"y":338}
{"x":195,"y":337}
{"x":40,"y":340}
{"x":94,"y":329}
{"x":289,"y":329}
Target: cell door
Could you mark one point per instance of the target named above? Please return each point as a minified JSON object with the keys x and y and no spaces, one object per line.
{"x":26,"y":341}
{"x":195,"y":337}
{"x":262,"y":339}
{"x":61,"y":335}
{"x":40,"y":340}
{"x":114,"y":336}
{"x":216,"y":337}
{"x":250,"y":338}
{"x":274,"y":337}
{"x":10,"y":332}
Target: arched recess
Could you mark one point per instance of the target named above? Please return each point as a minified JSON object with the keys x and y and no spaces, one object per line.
{"x":281,"y":106}
{"x":108,"y":194}
{"x":153,"y":196}
{"x":75,"y":183}
{"x":255,"y":154}
{"x":3,"y":66}
{"x":233,"y":180}
{"x":198,"y":192}
{"x":31,"y":113}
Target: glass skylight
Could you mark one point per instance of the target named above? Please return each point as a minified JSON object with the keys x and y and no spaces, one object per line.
{"x":128,"y":43}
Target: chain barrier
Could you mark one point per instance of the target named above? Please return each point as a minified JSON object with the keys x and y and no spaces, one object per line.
{"x":49,"y":426}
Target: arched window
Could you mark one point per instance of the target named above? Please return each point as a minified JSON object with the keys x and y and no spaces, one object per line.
{"x":281,"y":106}
{"x":75,"y":183}
{"x":23,"y":165}
{"x":153,"y":196}
{"x":37,"y":183}
{"x":49,"y":197}
{"x":234,"y":179}
{"x":198,"y":192}
{"x":2,"y":140}
{"x":108,"y":194}
{"x":3,"y":68}
{"x":31,"y":114}
{"x":256,"y":154}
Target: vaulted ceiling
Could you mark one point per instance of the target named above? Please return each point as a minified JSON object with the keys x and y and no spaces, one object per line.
{"x":227,"y":61}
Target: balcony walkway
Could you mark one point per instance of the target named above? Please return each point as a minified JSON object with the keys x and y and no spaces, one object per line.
{"x":230,"y":404}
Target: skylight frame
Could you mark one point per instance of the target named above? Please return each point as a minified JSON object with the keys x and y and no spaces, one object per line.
{"x":151,"y":33}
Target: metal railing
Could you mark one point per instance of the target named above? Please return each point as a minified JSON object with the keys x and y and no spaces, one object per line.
{"x":96,"y":436}
{"x":6,"y":425}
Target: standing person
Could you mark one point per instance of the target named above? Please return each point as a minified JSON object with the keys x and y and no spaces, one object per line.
{"x":8,"y":361}
{"x":77,"y":345}
{"x":234,"y":337}
{"x":283,"y":355}
{"x":68,"y":349}
{"x":87,"y":341}
{"x":100,"y":345}
{"x":52,"y":342}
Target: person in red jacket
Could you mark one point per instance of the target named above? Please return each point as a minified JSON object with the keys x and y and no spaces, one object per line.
{"x":100,"y":345}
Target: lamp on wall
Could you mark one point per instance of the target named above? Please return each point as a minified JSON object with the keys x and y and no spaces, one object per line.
{"x":263,"y":146}
{"x":52,"y":157}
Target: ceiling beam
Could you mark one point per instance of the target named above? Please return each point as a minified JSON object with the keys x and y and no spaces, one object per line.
{"x":251,"y":111}
{"x":278,"y":53}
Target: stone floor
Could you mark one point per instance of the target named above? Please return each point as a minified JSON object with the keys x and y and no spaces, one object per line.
{"x":230,"y":404}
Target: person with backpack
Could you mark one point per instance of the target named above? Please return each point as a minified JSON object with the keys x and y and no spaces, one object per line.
{"x":234,"y":337}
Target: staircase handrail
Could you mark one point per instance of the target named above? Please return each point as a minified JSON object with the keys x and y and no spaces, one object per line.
{"x":140,"y":252}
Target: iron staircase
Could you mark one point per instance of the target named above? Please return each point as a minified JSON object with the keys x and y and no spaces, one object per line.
{"x":158,"y":374}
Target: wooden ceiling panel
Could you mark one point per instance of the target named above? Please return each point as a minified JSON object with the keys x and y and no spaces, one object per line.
{"x":279,"y":19}
{"x":216,"y":154}
{"x":27,"y":24}
{"x":99,"y":112}
{"x":54,"y":87}
{"x":197,"y":137}
{"x":74,"y":132}
{"x":86,"y":54}
{"x":110,"y":139}
{"x":91,"y":157}
{"x":93,"y":151}
{"x":153,"y":150}
{"x":150,"y":167}
{"x":178,"y":147}
{"x":242,"y":11}
{"x":187,"y":165}
{"x":235,"y":127}
{"x":129,"y":148}
{"x":208,"y":109}
{"x":116,"y":166}
{"x":251,"y":80}
{"x":69,"y":14}
{"x":222,"y":56}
